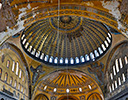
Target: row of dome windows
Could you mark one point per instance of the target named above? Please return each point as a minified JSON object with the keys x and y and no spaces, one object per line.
{"x":120,"y":78}
{"x":18,"y":70}
{"x":117,"y":83}
{"x":116,"y":68}
{"x":68,"y":90}
{"x":92,"y":56}
{"x":18,"y":86}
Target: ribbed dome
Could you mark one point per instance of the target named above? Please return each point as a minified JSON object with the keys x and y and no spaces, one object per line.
{"x":94,"y":96}
{"x":41,"y":97}
{"x":66,"y":40}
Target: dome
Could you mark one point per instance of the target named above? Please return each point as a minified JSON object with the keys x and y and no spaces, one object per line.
{"x":94,"y":96}
{"x":41,"y":97}
{"x":67,"y":82}
{"x":66,"y":40}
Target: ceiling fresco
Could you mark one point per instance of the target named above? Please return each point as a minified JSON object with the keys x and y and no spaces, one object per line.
{"x":68,"y":48}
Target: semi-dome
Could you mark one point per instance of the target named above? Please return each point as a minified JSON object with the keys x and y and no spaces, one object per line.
{"x":66,"y":40}
{"x":67,"y":82}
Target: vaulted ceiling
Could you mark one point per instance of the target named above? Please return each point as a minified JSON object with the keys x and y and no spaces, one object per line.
{"x":65,"y":43}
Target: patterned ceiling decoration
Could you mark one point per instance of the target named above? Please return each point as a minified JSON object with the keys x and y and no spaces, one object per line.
{"x":41,"y":97}
{"x":67,"y":82}
{"x":94,"y":96}
{"x":67,"y":98}
{"x":66,"y":40}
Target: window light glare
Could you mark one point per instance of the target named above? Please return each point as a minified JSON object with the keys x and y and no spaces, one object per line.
{"x":82,"y":59}
{"x":51,"y":59}
{"x":17,"y":68}
{"x":120,"y":61}
{"x":56,"y":60}
{"x":33,"y":52}
{"x":54,"y":89}
{"x":89,"y":86}
{"x":77,"y":60}
{"x":46,"y":58}
{"x":119,"y":80}
{"x":24,"y":41}
{"x":113,"y":87}
{"x":92,"y":55}
{"x":0,"y":5}
{"x":80,"y":89}
{"x":38,"y":54}
{"x":96,"y":53}
{"x":26,"y":45}
{"x":61,"y":60}
{"x":110,"y":89}
{"x":117,"y":67}
{"x":108,"y":39}
{"x":123,"y":77}
{"x":87,"y":57}
{"x":111,"y":76}
{"x":114,"y":71}
{"x":115,"y":84}
{"x":45,"y":87}
{"x":42,"y":55}
{"x":109,"y":35}
{"x":71,"y":61}
{"x":106,"y":43}
{"x":100,"y":50}
{"x":103,"y":47}
{"x":126,"y":60}
{"x":29,"y":49}
{"x":67,"y":90}
{"x":66,"y":60}
{"x":22,"y":36}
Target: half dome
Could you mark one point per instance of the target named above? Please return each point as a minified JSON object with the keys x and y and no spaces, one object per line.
{"x":67,"y":82}
{"x":66,"y":40}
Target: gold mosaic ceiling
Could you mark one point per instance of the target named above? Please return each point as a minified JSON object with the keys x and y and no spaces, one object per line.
{"x":66,"y":40}
{"x":67,"y":81}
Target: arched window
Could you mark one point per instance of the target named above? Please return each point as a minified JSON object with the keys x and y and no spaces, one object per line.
{"x":8,"y":63}
{"x":17,"y":68}
{"x":19,"y":86}
{"x":18,"y":95}
{"x":82,"y":59}
{"x":120,"y":61}
{"x":20,"y":73}
{"x":61,"y":60}
{"x":6,"y":77}
{"x":51,"y":59}
{"x":71,"y":61}
{"x":126,"y":60}
{"x":23,"y":79}
{"x":56,"y":60}
{"x":11,"y":79}
{"x":117,"y":65}
{"x":15,"y":84}
{"x":0,"y":73}
{"x":114,"y":71}
{"x":13,"y":66}
{"x":46,"y":58}
{"x":77,"y":60}
{"x":14,"y":93}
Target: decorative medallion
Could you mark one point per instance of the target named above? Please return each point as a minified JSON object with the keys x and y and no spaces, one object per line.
{"x":66,"y":24}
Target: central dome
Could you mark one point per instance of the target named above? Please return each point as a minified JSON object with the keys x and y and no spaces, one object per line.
{"x":66,"y":40}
